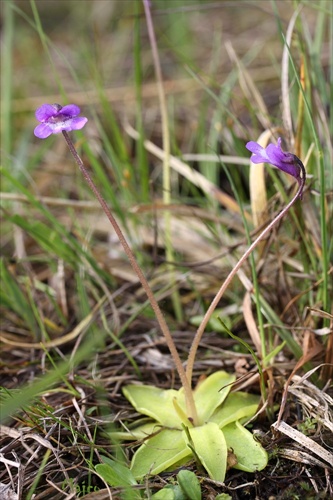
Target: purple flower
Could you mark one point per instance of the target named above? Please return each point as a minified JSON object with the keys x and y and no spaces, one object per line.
{"x":55,"y":118}
{"x":287,"y":162}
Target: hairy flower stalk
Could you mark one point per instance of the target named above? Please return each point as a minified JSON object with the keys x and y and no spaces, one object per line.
{"x":55,"y":119}
{"x":292,"y":165}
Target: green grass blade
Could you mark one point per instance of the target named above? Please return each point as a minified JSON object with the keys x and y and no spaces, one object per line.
{"x":12,"y":296}
{"x":6,"y":81}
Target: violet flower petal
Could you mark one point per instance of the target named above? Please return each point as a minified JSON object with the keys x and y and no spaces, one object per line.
{"x":259,"y":153}
{"x":43,"y":131}
{"x":70,"y":110}
{"x":254,"y":147}
{"x":45,"y":112}
{"x":78,"y":123}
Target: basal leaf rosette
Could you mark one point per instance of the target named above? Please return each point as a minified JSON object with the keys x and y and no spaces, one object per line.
{"x":220,"y":441}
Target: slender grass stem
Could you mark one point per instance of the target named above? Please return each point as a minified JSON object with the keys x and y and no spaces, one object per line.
{"x":322,"y":181}
{"x":166,"y":160}
{"x":254,"y":273}
{"x":213,"y":305}
{"x":6,"y":80}
{"x":138,"y":72}
{"x":190,"y":405}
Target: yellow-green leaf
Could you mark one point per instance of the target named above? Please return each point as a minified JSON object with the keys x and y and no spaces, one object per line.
{"x":159,"y":453}
{"x":211,"y":392}
{"x":156,"y":403}
{"x":251,"y":456}
{"x":211,"y":448}
{"x":238,"y":405}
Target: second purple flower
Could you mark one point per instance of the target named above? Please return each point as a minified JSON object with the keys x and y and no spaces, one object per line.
{"x":274,"y":155}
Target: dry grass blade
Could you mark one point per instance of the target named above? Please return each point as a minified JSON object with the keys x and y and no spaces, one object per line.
{"x":304,"y":441}
{"x":191,"y":175}
{"x":301,"y":457}
{"x":249,"y":88}
{"x":286,"y":113}
{"x":7,"y":493}
{"x":22,"y":437}
{"x":317,"y":403}
{"x":114,"y":95}
{"x":81,"y":327}
{"x":99,"y":495}
{"x":48,"y":200}
{"x":311,"y":348}
{"x":250,"y":322}
{"x":258,"y":192}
